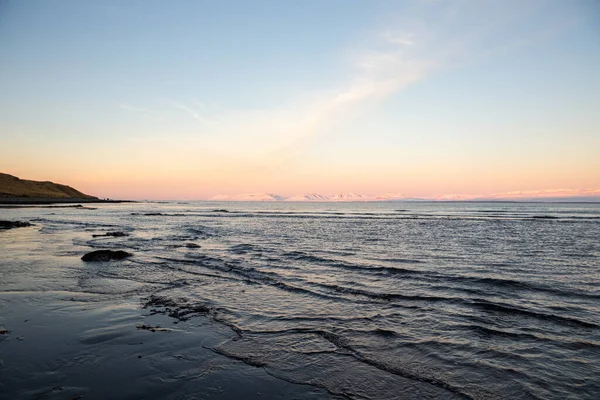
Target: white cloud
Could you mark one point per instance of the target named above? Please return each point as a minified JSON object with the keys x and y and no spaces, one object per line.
{"x":403,"y":53}
{"x":129,"y":107}
{"x":190,"y":112}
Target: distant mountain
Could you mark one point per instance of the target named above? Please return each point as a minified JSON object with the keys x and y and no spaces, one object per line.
{"x":248,"y":197}
{"x":13,"y":187}
{"x":589,"y":195}
{"x":308,"y":197}
{"x":551,"y":195}
{"x":331,"y":197}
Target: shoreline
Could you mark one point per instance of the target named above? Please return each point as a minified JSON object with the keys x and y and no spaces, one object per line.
{"x":63,"y":344}
{"x":27,"y":201}
{"x":63,"y":339}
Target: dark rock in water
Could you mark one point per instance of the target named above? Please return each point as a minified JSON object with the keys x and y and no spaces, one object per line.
{"x":113,"y":234}
{"x":148,"y":214}
{"x":192,"y":246}
{"x":13,"y":224}
{"x":181,"y":310}
{"x":152,"y":329}
{"x":106,"y":255}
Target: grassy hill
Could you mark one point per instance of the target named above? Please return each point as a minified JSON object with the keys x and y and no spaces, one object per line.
{"x":11,"y":186}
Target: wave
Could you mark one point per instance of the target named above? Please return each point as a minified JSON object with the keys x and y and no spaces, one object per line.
{"x":516,"y":285}
{"x":201,"y":232}
{"x":245,"y":248}
{"x":342,"y":343}
{"x":511,"y":310}
{"x":378,"y":295}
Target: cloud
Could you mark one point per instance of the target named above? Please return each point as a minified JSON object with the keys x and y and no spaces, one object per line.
{"x":191,"y":112}
{"x":129,"y":107}
{"x":381,"y":70}
{"x":403,"y":52}
{"x":406,"y":39}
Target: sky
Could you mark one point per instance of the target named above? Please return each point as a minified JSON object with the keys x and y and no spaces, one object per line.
{"x":192,"y":99}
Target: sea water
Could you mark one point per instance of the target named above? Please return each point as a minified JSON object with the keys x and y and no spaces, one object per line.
{"x":367,"y":300}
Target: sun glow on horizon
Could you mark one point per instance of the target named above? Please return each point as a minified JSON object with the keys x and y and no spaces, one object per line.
{"x":421,"y":99}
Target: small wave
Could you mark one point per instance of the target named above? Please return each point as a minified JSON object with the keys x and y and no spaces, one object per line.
{"x":301,"y":256}
{"x":74,"y":223}
{"x":254,"y":275}
{"x":502,"y":283}
{"x":397,"y":260}
{"x":506,"y":309}
{"x":202,"y":232}
{"x":381,"y":296}
{"x":384,"y":332}
{"x":487,"y":331}
{"x":245,"y":248}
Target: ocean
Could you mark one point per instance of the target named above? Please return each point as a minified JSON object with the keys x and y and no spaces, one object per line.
{"x":364,"y":300}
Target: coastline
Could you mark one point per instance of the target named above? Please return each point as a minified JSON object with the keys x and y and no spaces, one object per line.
{"x":61,"y":344}
{"x":26,"y":201}
{"x":62,"y":339}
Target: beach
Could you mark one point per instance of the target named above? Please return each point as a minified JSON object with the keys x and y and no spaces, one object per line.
{"x":62,"y":348}
{"x":65,"y":343}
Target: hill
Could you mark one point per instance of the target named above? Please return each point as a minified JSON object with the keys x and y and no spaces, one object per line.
{"x":13,"y":187}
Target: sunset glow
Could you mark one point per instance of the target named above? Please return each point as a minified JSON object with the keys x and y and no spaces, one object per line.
{"x":428,"y":99}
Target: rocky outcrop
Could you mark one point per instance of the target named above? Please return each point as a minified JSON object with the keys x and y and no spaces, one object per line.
{"x":106,"y":255}
{"x":14,"y":224}
{"x":113,"y":234}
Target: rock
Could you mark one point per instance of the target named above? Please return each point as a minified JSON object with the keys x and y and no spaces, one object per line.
{"x":106,"y":255}
{"x":152,"y":328}
{"x":113,"y":234}
{"x":150,"y":214}
{"x":192,"y":246}
{"x":181,"y":310}
{"x":14,"y":224}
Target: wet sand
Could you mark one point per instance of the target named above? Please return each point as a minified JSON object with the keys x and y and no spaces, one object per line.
{"x":62,"y":338}
{"x":60,"y":346}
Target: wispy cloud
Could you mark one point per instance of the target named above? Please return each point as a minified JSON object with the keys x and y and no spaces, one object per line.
{"x":401,"y":53}
{"x":192,"y":113}
{"x":405,"y":39}
{"x":140,"y":110}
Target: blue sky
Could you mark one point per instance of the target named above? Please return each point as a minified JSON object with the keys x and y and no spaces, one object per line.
{"x":189,"y":99}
